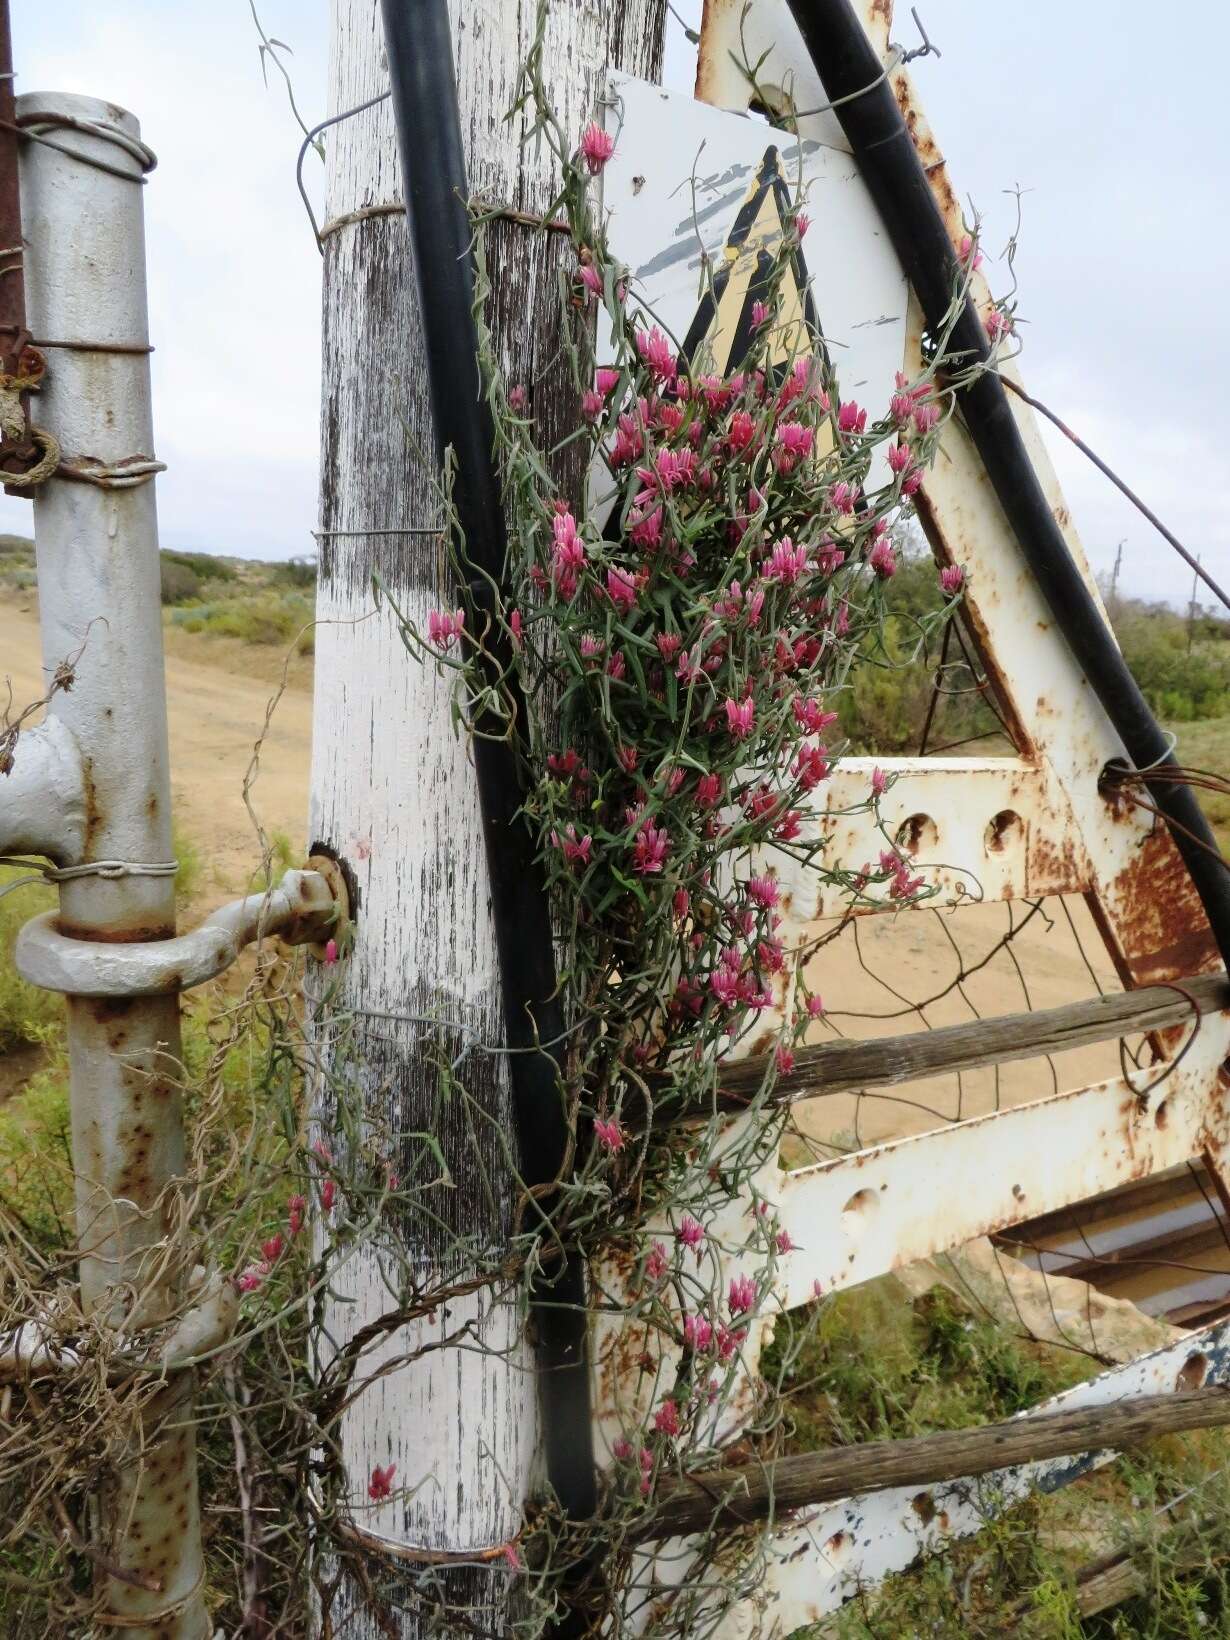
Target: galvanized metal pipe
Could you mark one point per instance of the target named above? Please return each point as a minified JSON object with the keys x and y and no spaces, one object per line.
{"x":42,"y":798}
{"x":98,"y":581}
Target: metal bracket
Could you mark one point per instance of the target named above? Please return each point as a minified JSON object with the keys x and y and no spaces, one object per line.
{"x":301,"y":910}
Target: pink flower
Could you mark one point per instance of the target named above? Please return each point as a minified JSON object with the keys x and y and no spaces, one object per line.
{"x":251,"y":1278}
{"x":622,"y":1450}
{"x":592,"y":404}
{"x":621,"y":588}
{"x":330,"y":953}
{"x":851,"y":419}
{"x":709,"y":790}
{"x":763,"y":890}
{"x":666,"y":1419}
{"x":742,"y":1295}
{"x":786,"y":562}
{"x":783,"y":1242}
{"x":925,"y":417}
{"x":576,"y":850}
{"x":811,"y":716}
{"x":817,"y":1291}
{"x":273,"y":1248}
{"x":689,"y":670}
{"x":999,"y":324}
{"x":596,"y":147}
{"x":592,"y":648}
{"x":657,"y":353}
{"x":841,"y":497}
{"x":657,"y":1264}
{"x":740,"y":718}
{"x":681,"y":902}
{"x":606,"y":380}
{"x":785,"y":1060}
{"x":967,"y":246}
{"x":650,"y":850}
{"x":697,"y":1333}
{"x":760,"y":315}
{"x":512,"y":1557}
{"x":724,"y":983}
{"x":795,"y":438}
{"x":879,"y":782}
{"x":609,"y":1134}
{"x":514,"y":626}
{"x":811,"y":767}
{"x":691,"y":1232}
{"x":899,"y":458}
{"x":882,"y":558}
{"x":729,"y":1340}
{"x":296,"y":1207}
{"x":616,"y":666}
{"x":801,"y":223}
{"x":829,"y":556}
{"x":669,"y":644}
{"x":952,"y":579}
{"x":328,"y":1194}
{"x":444,"y":629}
{"x":518,"y":399}
{"x":815,"y":1007}
{"x":380,"y":1486}
{"x":589,"y":276}
{"x":741,"y":432}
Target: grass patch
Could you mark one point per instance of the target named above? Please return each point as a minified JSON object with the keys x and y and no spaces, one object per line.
{"x":875,"y":1364}
{"x":1207,"y":746}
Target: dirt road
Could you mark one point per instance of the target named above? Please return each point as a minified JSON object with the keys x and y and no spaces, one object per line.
{"x":216,"y":713}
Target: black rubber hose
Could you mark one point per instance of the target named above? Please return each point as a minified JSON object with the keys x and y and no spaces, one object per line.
{"x":421,"y":75}
{"x":849,"y":67}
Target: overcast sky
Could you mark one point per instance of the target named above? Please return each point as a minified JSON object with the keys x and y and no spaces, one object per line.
{"x":1106,"y":119}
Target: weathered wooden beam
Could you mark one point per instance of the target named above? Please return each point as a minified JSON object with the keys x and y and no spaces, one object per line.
{"x":730,"y":1498}
{"x":845,"y":1066}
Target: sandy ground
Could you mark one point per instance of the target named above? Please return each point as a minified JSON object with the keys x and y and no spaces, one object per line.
{"x":216,"y":712}
{"x":218,"y":692}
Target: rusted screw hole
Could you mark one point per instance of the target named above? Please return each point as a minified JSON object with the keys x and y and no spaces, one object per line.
{"x":1193,"y":1372}
{"x":1162,"y":1115}
{"x":1006,"y":830}
{"x":917,"y":833}
{"x":857,"y":1212}
{"x":837,"y":1548}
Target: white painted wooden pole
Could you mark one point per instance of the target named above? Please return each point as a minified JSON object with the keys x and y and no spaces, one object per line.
{"x":393,"y":791}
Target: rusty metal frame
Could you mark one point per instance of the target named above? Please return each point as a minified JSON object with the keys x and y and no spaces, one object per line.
{"x":1038,"y":823}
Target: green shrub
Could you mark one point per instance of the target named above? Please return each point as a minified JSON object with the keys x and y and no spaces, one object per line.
{"x":27,"y":1014}
{"x":178,"y":583}
{"x":203,"y":565}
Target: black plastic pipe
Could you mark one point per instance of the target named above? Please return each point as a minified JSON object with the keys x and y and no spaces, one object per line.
{"x":421,"y":76}
{"x":849,"y":67}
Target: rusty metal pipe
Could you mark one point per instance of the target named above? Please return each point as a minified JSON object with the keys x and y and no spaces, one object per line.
{"x":98,"y":582}
{"x":854,"y":81}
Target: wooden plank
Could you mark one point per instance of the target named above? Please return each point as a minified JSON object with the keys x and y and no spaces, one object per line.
{"x":845,"y":1066}
{"x":729,"y":1498}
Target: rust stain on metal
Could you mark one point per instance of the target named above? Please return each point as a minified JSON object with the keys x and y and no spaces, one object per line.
{"x":1161,"y":928}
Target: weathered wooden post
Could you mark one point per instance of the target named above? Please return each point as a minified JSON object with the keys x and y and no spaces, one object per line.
{"x":393,"y":787}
